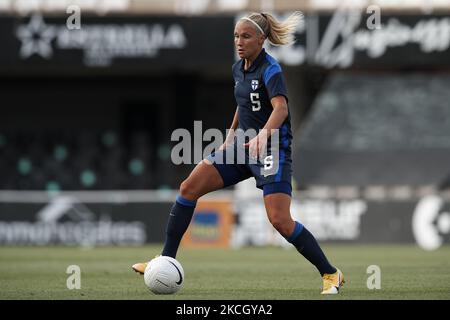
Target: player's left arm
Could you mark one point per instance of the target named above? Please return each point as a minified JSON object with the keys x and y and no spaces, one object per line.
{"x":279,"y":114}
{"x":277,"y":92}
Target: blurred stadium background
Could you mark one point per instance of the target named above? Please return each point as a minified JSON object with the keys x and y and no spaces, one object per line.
{"x":86,"y":117}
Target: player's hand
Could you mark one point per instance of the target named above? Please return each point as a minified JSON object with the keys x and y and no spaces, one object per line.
{"x":228,"y":141}
{"x":225,"y":144}
{"x":257,"y":145}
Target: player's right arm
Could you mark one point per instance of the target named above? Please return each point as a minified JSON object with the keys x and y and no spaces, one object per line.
{"x":230,"y":135}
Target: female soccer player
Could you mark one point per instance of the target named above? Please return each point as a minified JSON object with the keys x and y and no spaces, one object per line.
{"x":261,"y":96}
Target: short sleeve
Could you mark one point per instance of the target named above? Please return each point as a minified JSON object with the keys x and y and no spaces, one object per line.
{"x":275,"y":82}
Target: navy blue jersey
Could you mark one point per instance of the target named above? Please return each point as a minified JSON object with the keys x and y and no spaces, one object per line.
{"x":253,"y":90}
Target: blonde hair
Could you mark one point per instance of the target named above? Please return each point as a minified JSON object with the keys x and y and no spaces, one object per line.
{"x":278,"y":33}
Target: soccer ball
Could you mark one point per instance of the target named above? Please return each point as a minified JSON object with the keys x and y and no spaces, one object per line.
{"x":164,"y":275}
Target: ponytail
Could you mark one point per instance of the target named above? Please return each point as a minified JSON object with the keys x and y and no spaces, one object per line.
{"x":279,"y":33}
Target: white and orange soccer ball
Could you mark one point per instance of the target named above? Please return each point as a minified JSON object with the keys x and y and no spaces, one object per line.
{"x":164,"y":275}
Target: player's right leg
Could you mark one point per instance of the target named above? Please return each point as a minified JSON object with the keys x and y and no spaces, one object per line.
{"x":213,"y":173}
{"x":203,"y":179}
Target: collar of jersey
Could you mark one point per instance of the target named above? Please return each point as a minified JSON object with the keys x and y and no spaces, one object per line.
{"x":255,"y":63}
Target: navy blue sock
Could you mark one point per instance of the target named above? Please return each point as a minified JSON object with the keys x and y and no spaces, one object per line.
{"x":307,"y":245}
{"x":179,"y":218}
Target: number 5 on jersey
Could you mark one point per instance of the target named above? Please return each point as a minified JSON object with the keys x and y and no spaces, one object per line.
{"x":254,"y":98}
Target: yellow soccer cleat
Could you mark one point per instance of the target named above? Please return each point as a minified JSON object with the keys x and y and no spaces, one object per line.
{"x":332,"y":282}
{"x":139,"y":267}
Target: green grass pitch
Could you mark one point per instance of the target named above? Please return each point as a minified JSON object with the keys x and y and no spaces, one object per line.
{"x":268,"y":273}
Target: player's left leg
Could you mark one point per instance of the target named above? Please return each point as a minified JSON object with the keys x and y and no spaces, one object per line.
{"x":277,"y":200}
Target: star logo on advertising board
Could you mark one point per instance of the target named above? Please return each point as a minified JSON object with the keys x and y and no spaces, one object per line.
{"x":36,"y":38}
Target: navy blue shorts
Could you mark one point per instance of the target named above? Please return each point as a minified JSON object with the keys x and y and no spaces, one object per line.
{"x":272,"y":174}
